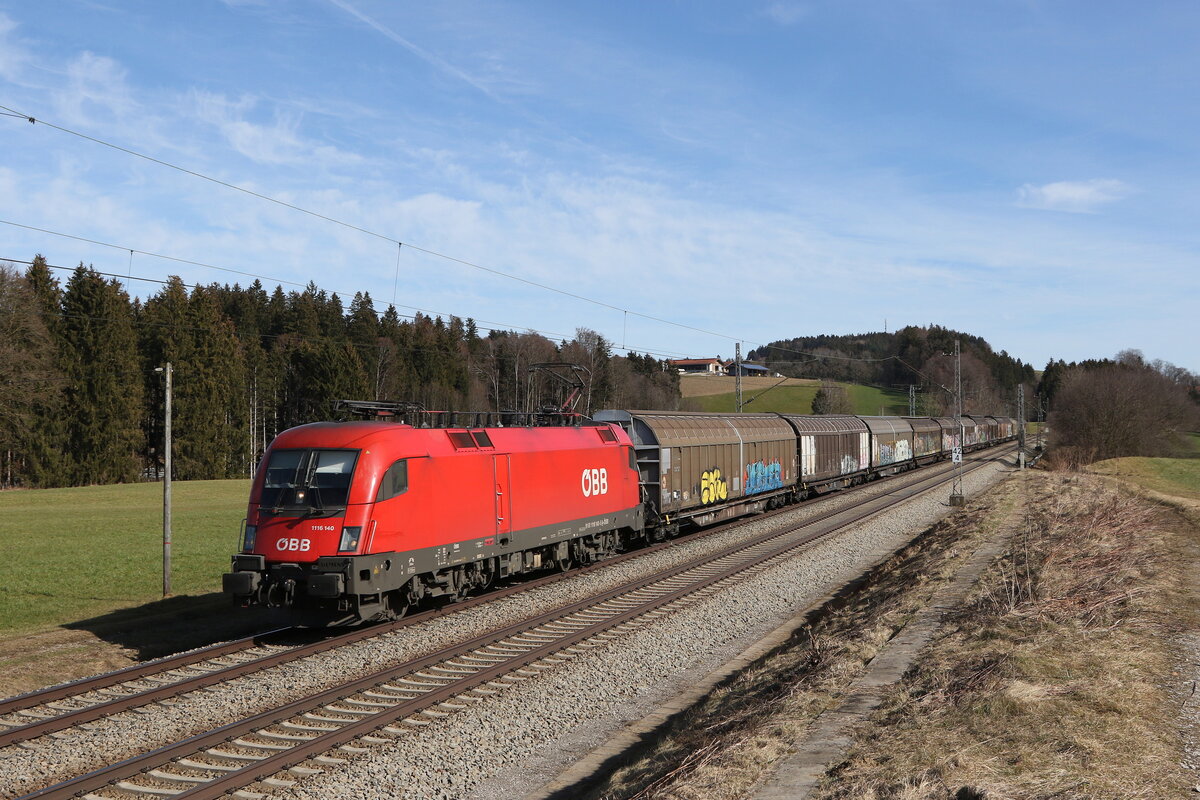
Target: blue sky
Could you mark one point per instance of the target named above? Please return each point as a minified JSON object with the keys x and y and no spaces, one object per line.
{"x":1023,"y":171}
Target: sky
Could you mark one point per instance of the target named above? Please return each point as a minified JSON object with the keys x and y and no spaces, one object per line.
{"x":678,"y":176}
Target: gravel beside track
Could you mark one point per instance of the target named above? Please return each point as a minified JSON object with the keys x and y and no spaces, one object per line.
{"x":544,"y":723}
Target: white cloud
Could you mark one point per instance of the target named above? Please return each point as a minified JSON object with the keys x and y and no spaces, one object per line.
{"x":13,"y":55}
{"x":1078,"y":197}
{"x":785,"y":12}
{"x":94,"y":83}
{"x":279,"y":143}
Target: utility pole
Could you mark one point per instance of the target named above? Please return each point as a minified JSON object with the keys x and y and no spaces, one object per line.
{"x":956,"y":492}
{"x":737,"y":376}
{"x":912,"y":400}
{"x":1041,"y":423}
{"x":1021,"y":425}
{"x":167,"y":483}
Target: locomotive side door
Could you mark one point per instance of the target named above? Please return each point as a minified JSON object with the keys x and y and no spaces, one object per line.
{"x":500,"y":465}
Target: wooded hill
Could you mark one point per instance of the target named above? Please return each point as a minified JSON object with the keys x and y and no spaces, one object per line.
{"x":912,"y":355}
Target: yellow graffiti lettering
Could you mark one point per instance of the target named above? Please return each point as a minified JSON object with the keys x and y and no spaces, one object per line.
{"x":713,"y":488}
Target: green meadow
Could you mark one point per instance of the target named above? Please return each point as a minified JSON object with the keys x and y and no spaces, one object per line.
{"x":867,"y":400}
{"x":75,"y":554}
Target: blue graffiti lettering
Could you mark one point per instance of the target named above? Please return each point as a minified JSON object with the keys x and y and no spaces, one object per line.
{"x":762,"y":477}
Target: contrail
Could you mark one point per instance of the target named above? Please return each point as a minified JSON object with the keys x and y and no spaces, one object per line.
{"x":419,"y":52}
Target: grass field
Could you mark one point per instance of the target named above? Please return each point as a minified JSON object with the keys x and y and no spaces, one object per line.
{"x":798,"y":399}
{"x":73,"y":554}
{"x":1173,"y":476}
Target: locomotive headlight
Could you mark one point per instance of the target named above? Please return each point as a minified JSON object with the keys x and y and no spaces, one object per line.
{"x":248,"y":538}
{"x":349,"y":541}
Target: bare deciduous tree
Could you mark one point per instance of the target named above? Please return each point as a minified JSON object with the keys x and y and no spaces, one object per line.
{"x":1123,"y":409}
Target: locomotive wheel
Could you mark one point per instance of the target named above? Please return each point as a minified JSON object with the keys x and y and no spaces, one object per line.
{"x":492,"y":572}
{"x":399,"y":602}
{"x":483,"y":575}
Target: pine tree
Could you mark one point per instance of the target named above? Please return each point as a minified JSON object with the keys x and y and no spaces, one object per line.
{"x":166,"y":335}
{"x":50,"y":459}
{"x":210,"y":389}
{"x":29,"y":378}
{"x":104,"y":388}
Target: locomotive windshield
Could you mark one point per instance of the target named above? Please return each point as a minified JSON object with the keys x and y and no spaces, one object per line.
{"x":307,"y":481}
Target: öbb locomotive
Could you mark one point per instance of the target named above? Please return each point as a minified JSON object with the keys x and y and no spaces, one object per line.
{"x":357,"y":521}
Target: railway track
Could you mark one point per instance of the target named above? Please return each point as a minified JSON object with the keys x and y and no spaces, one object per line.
{"x":58,"y":708}
{"x":277,"y":747}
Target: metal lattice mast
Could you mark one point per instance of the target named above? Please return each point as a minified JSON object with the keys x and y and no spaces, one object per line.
{"x":956,"y":492}
{"x":912,"y":400}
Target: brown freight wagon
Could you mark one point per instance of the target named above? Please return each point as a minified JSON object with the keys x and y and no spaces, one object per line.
{"x":970,"y":433}
{"x":927,"y":439}
{"x":835,"y":450}
{"x":707,"y":467}
{"x":951,"y":433}
{"x":986,"y":427}
{"x":891,"y":444}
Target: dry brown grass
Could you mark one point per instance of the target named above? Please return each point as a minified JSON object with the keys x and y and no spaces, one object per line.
{"x":1051,"y":683}
{"x":722,"y":747}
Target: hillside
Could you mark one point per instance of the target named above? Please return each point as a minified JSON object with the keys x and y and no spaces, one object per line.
{"x":922,"y":356}
{"x":793,"y":395}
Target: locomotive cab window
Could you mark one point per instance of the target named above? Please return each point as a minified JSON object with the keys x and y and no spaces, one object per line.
{"x":308,"y":481}
{"x":395,"y":481}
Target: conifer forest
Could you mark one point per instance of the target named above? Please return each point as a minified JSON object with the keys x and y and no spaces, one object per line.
{"x":81,"y":403}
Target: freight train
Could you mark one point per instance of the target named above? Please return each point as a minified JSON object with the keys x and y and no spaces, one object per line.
{"x":358,"y":521}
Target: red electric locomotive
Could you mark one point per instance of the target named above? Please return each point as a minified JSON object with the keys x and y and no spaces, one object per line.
{"x":357,"y":520}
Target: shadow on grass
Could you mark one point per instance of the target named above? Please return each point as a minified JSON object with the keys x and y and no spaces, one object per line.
{"x":174,"y":624}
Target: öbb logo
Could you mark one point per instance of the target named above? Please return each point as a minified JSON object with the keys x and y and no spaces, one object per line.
{"x":299,"y":545}
{"x":594,"y":482}
{"x":713,"y":487}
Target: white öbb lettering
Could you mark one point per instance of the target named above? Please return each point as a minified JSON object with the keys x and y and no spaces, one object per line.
{"x":299,"y":545}
{"x":594,"y":482}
